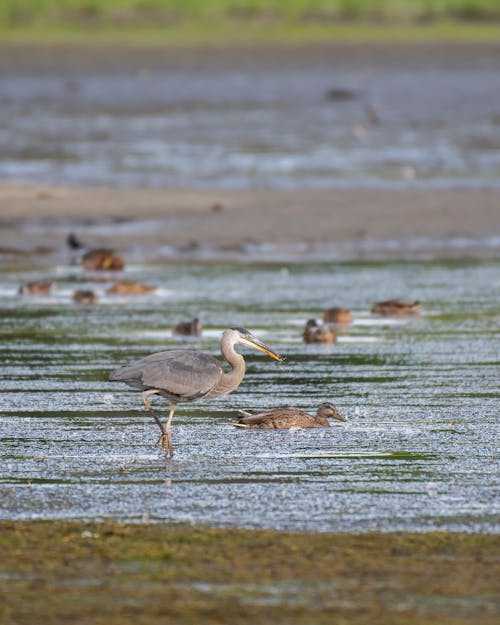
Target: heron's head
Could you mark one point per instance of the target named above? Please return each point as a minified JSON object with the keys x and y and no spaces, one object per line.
{"x":328,"y":410}
{"x":245,"y":337}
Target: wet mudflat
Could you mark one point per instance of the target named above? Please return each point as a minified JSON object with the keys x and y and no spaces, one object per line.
{"x":421,"y":397}
{"x":291,"y":118}
{"x":105,"y":573}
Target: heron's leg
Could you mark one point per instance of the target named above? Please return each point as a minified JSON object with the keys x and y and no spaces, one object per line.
{"x":145,"y":395}
{"x":168,"y":435}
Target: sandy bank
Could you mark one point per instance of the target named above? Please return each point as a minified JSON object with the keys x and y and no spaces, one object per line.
{"x":34,"y":216}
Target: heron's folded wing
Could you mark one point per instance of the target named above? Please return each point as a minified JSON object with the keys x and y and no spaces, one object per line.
{"x":180,"y":373}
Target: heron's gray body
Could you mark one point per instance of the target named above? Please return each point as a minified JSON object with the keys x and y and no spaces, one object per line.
{"x":181,"y":375}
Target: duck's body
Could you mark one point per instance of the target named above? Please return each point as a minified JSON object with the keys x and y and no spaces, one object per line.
{"x":396,"y":307}
{"x":102,"y":259}
{"x":188,"y":328}
{"x":286,"y":417}
{"x":129,"y":287}
{"x":85,"y":296}
{"x":96,"y":259}
{"x":316,"y":333}
{"x":337,"y":314}
{"x":40,"y":287}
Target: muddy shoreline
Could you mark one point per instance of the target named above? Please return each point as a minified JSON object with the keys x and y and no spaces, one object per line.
{"x":348,"y":223}
{"x":85,"y":572}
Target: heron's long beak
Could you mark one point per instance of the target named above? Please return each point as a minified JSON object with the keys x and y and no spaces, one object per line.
{"x":256,"y":344}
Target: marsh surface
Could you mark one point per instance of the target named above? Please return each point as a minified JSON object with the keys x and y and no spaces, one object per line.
{"x":376,"y":116}
{"x":421,"y":397}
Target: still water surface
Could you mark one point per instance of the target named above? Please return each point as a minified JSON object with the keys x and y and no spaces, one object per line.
{"x":419,"y":450}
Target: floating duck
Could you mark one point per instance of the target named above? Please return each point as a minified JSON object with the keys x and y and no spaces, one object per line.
{"x":396,"y":307}
{"x":316,"y":333}
{"x":40,"y":287}
{"x":286,"y":417}
{"x":102,"y":259}
{"x":337,"y":315}
{"x":188,"y":328}
{"x":129,"y":287}
{"x":85,"y":296}
{"x":98,"y":259}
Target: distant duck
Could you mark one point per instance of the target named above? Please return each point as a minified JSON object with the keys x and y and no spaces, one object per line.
{"x":316,"y":333}
{"x":129,"y":287}
{"x":188,"y":328}
{"x":40,"y":287}
{"x":98,"y":259}
{"x":337,"y":315}
{"x":85,"y":296}
{"x":397,"y":307}
{"x":285,"y":417}
{"x":102,"y":259}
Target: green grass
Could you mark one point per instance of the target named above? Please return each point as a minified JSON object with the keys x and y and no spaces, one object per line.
{"x":224,"y":33}
{"x":151,"y":11}
{"x":247,"y":21}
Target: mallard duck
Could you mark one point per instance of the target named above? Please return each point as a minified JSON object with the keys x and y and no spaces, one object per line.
{"x":40,"y":287}
{"x":98,"y":259}
{"x":188,"y":328}
{"x":337,"y":315}
{"x":316,"y":333}
{"x":129,"y":287}
{"x":102,"y":259}
{"x":397,"y":307}
{"x":286,"y":417}
{"x":85,"y":296}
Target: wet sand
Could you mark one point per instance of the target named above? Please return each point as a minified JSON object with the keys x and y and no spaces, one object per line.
{"x":233,"y":219}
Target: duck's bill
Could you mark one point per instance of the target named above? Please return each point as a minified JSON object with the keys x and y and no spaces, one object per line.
{"x":255,"y":343}
{"x":339,"y":417}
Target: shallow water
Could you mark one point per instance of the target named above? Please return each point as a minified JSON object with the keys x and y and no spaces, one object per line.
{"x":419,"y":450}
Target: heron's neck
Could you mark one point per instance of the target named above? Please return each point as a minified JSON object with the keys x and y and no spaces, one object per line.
{"x":231,"y":379}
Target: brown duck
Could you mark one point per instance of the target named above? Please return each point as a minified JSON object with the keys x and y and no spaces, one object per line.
{"x":285,"y":417}
{"x":188,"y":328}
{"x":129,"y":287}
{"x":85,"y":296}
{"x":337,"y":314}
{"x":316,"y":333}
{"x":102,"y":259}
{"x":40,"y":287}
{"x":396,"y":307}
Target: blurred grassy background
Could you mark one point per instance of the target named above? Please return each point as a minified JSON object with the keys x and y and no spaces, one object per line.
{"x":250,"y":20}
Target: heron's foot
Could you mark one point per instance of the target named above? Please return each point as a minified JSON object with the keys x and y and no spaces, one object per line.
{"x":165,"y":445}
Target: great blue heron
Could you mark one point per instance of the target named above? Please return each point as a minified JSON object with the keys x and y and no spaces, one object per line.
{"x":185,"y":375}
{"x":286,"y":417}
{"x":396,"y":307}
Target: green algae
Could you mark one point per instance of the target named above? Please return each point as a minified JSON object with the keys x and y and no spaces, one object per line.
{"x":107,"y":572}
